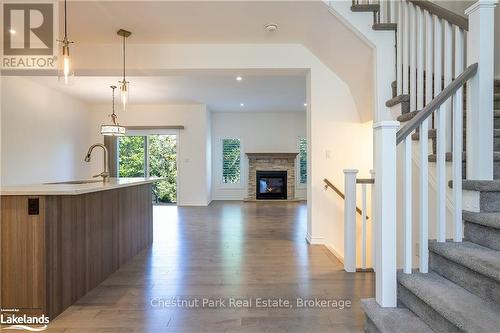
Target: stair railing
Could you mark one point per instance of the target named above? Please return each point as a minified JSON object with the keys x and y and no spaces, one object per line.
{"x":433,"y":49}
{"x":350,"y":219}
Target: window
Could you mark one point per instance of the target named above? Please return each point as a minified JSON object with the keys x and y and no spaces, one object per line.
{"x":302,"y":160}
{"x":231,"y":161}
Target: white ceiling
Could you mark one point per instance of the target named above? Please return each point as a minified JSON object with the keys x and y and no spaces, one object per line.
{"x":259,"y":92}
{"x":303,"y":22}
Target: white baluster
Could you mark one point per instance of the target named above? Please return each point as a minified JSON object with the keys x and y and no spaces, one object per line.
{"x":399,"y":50}
{"x":448,"y":71}
{"x":363,"y":226}
{"x":393,"y":11}
{"x":350,"y":220}
{"x":383,"y":11}
{"x":405,"y":40}
{"x":441,"y":135}
{"x":424,"y":152}
{"x":407,"y":209}
{"x":413,"y":60}
{"x":420,"y":58}
{"x":384,"y":161}
{"x":457,"y":138}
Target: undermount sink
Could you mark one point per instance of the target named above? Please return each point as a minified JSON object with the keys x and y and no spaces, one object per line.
{"x":76,"y":182}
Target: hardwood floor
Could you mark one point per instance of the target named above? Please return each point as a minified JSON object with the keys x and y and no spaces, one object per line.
{"x":227,"y":250}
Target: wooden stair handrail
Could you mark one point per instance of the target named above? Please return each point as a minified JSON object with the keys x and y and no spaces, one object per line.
{"x":336,"y":190}
{"x":443,"y":13}
{"x":436,"y":103}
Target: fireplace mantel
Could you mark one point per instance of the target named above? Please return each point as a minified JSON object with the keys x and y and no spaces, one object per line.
{"x":271,"y":155}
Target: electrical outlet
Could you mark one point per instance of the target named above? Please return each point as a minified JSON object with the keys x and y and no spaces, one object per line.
{"x":33,"y":206}
{"x":417,"y":249}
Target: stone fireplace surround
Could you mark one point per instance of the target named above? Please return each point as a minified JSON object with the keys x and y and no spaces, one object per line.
{"x":271,"y":162}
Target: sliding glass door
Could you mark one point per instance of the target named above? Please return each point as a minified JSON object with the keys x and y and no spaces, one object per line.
{"x":151,"y":155}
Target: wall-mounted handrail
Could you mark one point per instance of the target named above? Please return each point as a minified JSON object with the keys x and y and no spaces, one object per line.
{"x":436,"y":103}
{"x":443,"y":13}
{"x":329,"y":184}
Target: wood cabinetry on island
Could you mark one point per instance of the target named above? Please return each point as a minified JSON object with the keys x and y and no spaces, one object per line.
{"x":61,"y":243}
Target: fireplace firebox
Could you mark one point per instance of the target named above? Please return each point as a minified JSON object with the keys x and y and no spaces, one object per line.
{"x":271,"y":185}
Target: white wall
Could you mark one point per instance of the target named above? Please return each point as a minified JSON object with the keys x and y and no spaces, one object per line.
{"x":333,"y":120}
{"x":259,"y":133}
{"x":44,"y":134}
{"x":193,"y":142}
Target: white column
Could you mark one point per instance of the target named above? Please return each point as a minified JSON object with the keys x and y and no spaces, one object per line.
{"x":363,"y":226}
{"x":480,"y":47}
{"x":385,"y":212}
{"x":350,"y":220}
{"x":372,"y":221}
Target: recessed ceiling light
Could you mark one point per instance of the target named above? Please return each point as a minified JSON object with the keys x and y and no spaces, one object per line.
{"x":272,"y":27}
{"x":12,"y":31}
{"x":305,"y":104}
{"x":239,"y":78}
{"x":242,"y":104}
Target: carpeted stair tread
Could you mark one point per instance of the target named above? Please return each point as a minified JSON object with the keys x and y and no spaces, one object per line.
{"x":463,"y":309}
{"x":475,"y":257}
{"x":496,"y":133}
{"x":365,"y":8}
{"x":398,"y":99}
{"x":431,"y":135}
{"x":481,"y":185}
{"x":407,"y":116}
{"x":393,"y":320}
{"x":497,"y":113}
{"x":491,"y":220}
{"x":385,"y":26}
{"x":449,"y":155}
{"x":497,"y":97}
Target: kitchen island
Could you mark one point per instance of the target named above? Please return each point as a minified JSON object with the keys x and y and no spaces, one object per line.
{"x":61,"y":240}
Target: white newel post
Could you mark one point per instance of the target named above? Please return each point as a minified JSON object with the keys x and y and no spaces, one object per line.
{"x":385,"y":212}
{"x":350,"y":220}
{"x":480,"y":49}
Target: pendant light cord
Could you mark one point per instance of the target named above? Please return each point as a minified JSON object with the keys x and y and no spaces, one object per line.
{"x":65,"y":23}
{"x":124,"y":38}
{"x":113,"y":100}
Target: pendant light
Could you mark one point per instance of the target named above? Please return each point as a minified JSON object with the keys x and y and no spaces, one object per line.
{"x":114,"y":129}
{"x":66,"y":74}
{"x":124,"y":84}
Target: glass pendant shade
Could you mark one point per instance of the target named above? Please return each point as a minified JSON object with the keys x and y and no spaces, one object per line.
{"x":124,"y":93}
{"x":65,"y":72}
{"x":65,"y":75}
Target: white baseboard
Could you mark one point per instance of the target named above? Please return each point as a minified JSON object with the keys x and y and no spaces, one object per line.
{"x":335,"y":253}
{"x":315,"y":240}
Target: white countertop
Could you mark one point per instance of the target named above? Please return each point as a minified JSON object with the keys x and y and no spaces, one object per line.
{"x":74,"y":189}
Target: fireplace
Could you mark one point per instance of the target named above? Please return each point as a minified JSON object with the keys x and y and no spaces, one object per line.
{"x":271,"y":185}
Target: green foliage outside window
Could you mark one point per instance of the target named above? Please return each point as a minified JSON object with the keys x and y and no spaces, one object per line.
{"x":303,"y":160}
{"x":162,"y":162}
{"x":231,"y":161}
{"x":131,"y":156}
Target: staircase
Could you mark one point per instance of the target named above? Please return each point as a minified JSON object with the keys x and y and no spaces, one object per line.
{"x":461,"y":293}
{"x":458,"y":288}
